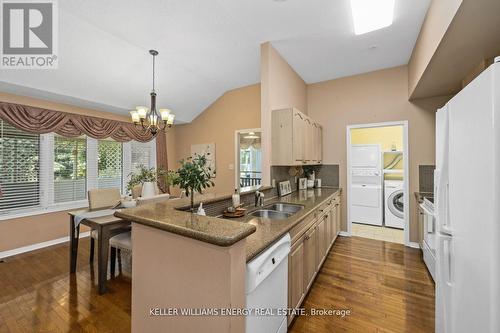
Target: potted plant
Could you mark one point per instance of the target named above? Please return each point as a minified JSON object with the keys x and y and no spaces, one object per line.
{"x":148,"y":178}
{"x":194,"y":175}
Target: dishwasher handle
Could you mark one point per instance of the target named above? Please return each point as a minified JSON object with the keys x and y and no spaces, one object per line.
{"x":261,"y":267}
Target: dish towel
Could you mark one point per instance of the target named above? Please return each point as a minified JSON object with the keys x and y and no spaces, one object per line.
{"x":89,"y":215}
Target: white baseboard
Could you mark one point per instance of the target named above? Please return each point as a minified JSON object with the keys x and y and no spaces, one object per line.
{"x":345,"y":234}
{"x":37,"y":246}
{"x":414,"y":245}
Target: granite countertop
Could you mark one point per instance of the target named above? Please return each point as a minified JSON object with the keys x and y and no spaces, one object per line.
{"x":170,"y":216}
{"x":260,"y":233}
{"x":269,"y":231}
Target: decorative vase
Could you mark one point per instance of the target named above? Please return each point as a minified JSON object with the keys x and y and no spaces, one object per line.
{"x":148,"y":190}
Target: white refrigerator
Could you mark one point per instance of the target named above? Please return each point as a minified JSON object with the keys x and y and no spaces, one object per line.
{"x":467,"y":205}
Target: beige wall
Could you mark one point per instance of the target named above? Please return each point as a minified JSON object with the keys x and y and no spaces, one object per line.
{"x":281,"y":87}
{"x":472,"y":37}
{"x":436,"y":23}
{"x":15,"y":233}
{"x":380,"y":96}
{"x":235,"y":110}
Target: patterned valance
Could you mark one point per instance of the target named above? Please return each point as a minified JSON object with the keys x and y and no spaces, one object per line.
{"x":37,"y":120}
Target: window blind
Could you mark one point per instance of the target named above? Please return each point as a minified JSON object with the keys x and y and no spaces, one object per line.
{"x":70,"y":169}
{"x":19,"y":168}
{"x":143,"y":153}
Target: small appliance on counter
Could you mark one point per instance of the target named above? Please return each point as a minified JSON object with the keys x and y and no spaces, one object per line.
{"x":310,"y":183}
{"x":302,"y":183}
{"x":317,"y":183}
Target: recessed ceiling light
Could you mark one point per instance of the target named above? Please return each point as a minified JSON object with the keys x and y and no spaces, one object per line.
{"x":371,"y":15}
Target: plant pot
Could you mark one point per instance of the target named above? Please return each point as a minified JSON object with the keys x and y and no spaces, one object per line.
{"x":148,"y":190}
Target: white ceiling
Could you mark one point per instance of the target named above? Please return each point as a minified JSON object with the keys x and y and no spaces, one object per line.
{"x":206,"y":48}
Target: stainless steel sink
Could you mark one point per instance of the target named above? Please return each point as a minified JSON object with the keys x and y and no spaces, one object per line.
{"x":271,"y":214}
{"x":285,"y":207}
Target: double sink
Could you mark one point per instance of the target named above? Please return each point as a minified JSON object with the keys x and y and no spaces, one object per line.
{"x":278,"y":211}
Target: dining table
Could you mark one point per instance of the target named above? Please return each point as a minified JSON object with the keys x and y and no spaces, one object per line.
{"x":106,"y":227}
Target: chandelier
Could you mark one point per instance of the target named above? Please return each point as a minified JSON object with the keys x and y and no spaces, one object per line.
{"x":152,"y":120}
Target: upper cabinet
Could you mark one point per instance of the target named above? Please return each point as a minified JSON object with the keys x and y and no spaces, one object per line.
{"x":296,"y":138}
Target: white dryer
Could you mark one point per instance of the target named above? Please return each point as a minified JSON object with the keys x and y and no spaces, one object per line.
{"x":394,"y":204}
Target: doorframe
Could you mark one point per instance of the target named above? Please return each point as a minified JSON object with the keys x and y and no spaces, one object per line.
{"x":237,"y":153}
{"x":406,"y":173}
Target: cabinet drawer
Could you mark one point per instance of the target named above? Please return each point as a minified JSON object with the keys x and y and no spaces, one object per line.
{"x":303,"y":226}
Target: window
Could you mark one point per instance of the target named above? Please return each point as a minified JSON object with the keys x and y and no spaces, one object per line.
{"x":109,"y":164}
{"x":143,"y":153}
{"x":70,"y":169}
{"x":19,"y":168}
{"x":49,"y":172}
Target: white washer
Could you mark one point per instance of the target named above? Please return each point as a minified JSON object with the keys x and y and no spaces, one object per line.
{"x":394,"y":204}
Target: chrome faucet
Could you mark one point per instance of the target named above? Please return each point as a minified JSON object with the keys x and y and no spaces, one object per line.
{"x":259,"y":198}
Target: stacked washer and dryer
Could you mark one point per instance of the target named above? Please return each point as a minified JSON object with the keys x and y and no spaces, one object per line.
{"x":371,"y":202}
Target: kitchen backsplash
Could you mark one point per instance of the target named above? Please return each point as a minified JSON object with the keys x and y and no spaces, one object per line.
{"x":328,"y":173}
{"x":426,"y":178}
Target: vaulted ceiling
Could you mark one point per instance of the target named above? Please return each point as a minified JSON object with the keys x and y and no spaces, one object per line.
{"x":206,"y":48}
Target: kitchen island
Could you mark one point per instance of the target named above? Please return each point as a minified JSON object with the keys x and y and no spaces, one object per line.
{"x":185,"y":261}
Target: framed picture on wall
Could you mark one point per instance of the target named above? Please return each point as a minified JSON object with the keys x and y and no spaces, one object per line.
{"x":207,"y":149}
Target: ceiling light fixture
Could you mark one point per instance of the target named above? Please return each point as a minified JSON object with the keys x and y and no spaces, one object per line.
{"x":251,"y":135}
{"x":371,"y":15}
{"x":151,"y":119}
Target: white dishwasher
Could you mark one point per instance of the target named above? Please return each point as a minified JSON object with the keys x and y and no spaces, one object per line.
{"x":267,"y":288}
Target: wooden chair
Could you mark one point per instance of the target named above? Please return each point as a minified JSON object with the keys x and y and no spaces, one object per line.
{"x":102,"y":199}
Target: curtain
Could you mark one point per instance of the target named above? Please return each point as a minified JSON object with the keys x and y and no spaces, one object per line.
{"x":39,"y":121}
{"x":161,"y":158}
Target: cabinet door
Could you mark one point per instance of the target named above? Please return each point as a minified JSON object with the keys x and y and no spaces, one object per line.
{"x":299,"y":129}
{"x":321,"y":240}
{"x":316,"y":143}
{"x":296,"y":288}
{"x":338,"y":216}
{"x":333,"y":222}
{"x":319,"y":140}
{"x":308,"y":142}
{"x":310,"y":253}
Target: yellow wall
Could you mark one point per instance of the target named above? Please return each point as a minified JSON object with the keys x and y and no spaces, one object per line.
{"x":385,"y":136}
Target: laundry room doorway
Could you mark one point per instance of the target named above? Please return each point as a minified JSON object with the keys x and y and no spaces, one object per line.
{"x":377,"y":181}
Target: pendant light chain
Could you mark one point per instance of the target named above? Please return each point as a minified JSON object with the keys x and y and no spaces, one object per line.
{"x":152,"y":119}
{"x":154,"y":72}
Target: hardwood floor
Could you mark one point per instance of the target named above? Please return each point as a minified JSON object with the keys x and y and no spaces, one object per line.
{"x":37,"y":294}
{"x":385,"y":285}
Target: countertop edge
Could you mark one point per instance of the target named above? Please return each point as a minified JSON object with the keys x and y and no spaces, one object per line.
{"x":223,"y":241}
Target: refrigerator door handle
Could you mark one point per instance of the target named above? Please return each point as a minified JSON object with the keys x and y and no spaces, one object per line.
{"x":448,"y":256}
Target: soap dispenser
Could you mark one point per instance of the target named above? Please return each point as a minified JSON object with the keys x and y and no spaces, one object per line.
{"x":236,"y":198}
{"x":201,"y":211}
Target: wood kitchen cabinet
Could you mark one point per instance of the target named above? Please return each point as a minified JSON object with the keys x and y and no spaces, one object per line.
{"x":310,"y":253}
{"x":296,"y":290}
{"x":304,"y":134}
{"x":322,"y":240}
{"x":311,"y":242}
